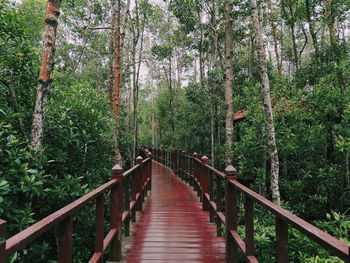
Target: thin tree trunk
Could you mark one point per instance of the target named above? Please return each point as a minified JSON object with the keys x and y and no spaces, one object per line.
{"x":12,"y":89}
{"x":46,"y":69}
{"x":282,"y":42}
{"x":312,"y":31}
{"x":330,"y":21}
{"x":201,"y":73}
{"x":347,"y":172}
{"x":267,"y":104}
{"x":295,"y":49}
{"x":111,"y":68}
{"x":212,"y":137}
{"x":135,"y":95}
{"x":274,"y":36}
{"x":229,"y":78}
{"x":153,"y":128}
{"x":117,"y":75}
{"x":292,"y":28}
{"x":171,"y":95}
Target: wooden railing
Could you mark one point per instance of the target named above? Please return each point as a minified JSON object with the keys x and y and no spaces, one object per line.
{"x":219,"y":194}
{"x":126,"y":190}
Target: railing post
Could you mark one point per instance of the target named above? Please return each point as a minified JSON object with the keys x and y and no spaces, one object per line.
{"x":168,"y":158}
{"x":178,"y":162}
{"x":204,"y":182}
{"x":173,"y":160}
{"x":231,"y":215}
{"x":3,"y":228}
{"x":187,"y":169}
{"x":65,"y":240}
{"x":196,"y":173}
{"x":219,"y":203}
{"x":183,"y":165}
{"x":282,"y":241}
{"x":191,"y":175}
{"x":116,"y":213}
{"x":133,"y":194}
{"x":210,"y":177}
{"x":140,"y":181}
{"x":99,"y":225}
{"x":150,"y":171}
{"x":249,"y":226}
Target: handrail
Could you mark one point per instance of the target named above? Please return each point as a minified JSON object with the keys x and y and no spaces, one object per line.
{"x":127,"y":192}
{"x":321,"y":237}
{"x":214,"y":186}
{"x":20,"y":240}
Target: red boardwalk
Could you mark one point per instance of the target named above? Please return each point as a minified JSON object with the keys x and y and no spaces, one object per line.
{"x":173,"y":227}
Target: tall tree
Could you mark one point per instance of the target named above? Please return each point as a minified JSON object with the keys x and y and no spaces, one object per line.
{"x":291,"y":18}
{"x":313,"y":33}
{"x":267,"y":103}
{"x":229,"y":76}
{"x":274,"y":35}
{"x":116,"y":73}
{"x":47,"y":66}
{"x":137,"y":30}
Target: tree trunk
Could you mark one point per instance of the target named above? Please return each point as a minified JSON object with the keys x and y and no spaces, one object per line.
{"x":292,"y":28}
{"x":212,"y":135}
{"x":47,"y":66}
{"x":116,"y":75}
{"x":201,"y":73}
{"x":330,"y":21}
{"x":312,"y":31}
{"x":295,"y":49}
{"x":347,"y":172}
{"x":111,"y":68}
{"x":171,"y":95}
{"x":12,"y":89}
{"x":274,"y":35}
{"x":229,"y":78}
{"x":267,"y":104}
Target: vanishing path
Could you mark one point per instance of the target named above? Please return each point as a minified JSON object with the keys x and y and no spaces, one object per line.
{"x":173,"y":227}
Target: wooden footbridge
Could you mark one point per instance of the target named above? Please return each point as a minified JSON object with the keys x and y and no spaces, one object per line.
{"x":187,"y":211}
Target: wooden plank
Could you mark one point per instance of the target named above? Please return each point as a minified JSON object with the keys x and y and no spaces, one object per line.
{"x":173,"y":225}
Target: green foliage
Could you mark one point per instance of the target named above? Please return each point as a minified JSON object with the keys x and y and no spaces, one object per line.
{"x":76,"y":159}
{"x":21,"y":177}
{"x":186,"y":12}
{"x":161,"y":52}
{"x":301,"y":248}
{"x":19,"y":33}
{"x":79,"y":128}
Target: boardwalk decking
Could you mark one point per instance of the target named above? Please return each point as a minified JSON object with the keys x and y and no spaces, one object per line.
{"x":173,"y":227}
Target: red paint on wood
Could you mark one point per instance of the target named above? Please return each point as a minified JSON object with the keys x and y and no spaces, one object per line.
{"x":173,"y":226}
{"x":332,"y":244}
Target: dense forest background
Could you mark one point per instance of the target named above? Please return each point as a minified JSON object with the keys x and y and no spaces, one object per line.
{"x":172,"y":96}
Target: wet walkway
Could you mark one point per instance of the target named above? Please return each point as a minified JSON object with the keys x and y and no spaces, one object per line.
{"x":173,"y":227}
